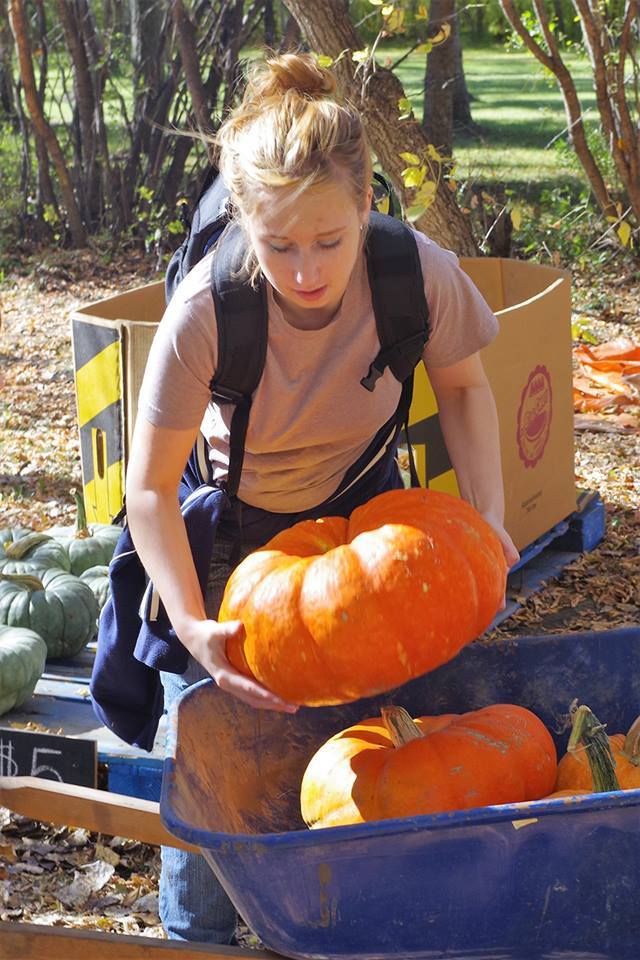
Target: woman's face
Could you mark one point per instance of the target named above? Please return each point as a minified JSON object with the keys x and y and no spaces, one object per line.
{"x":307,"y":248}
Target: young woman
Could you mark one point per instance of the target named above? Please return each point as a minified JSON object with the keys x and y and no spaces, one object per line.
{"x":299,"y":171}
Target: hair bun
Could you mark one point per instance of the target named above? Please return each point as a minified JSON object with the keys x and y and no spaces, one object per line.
{"x":298,"y":72}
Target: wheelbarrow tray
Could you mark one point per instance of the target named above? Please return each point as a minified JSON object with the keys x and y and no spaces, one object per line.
{"x":553,"y":878}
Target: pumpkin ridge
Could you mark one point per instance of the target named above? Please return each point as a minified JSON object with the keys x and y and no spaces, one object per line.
{"x":264,"y":657}
{"x":307,"y":606}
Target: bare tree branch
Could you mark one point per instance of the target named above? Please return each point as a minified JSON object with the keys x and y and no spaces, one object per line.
{"x":41,"y":125}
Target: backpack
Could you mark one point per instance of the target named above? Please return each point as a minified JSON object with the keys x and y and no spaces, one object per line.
{"x":397,"y":290}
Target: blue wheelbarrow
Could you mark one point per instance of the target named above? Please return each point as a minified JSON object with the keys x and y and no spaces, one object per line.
{"x":555,"y":879}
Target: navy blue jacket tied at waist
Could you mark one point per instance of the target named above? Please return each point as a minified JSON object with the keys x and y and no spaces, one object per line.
{"x":136,"y":639}
{"x":135,"y":636}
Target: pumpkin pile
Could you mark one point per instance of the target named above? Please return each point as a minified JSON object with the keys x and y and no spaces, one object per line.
{"x":393,"y":766}
{"x":337,"y":609}
{"x":53,"y":585}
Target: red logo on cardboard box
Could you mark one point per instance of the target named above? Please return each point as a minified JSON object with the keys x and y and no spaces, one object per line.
{"x":534,"y":416}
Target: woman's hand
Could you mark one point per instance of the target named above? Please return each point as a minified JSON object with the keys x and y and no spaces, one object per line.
{"x":207,"y":643}
{"x":511,"y":555}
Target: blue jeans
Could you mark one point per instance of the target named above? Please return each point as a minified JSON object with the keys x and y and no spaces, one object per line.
{"x":193,"y":904}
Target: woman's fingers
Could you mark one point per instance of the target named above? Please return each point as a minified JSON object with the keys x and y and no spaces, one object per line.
{"x":211,"y":653}
{"x":250,"y":692}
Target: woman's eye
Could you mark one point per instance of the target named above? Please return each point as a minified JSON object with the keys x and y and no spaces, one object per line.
{"x":323,"y":246}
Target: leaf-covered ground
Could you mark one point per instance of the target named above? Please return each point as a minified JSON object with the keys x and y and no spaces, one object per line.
{"x":72,"y":878}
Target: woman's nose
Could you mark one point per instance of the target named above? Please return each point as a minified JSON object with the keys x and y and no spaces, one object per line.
{"x":305,"y":269}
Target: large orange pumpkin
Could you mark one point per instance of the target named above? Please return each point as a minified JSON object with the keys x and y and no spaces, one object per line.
{"x":589,"y":743}
{"x":337,"y":609}
{"x":393,"y":766}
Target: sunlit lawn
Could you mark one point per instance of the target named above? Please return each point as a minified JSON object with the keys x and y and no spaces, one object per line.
{"x":519,"y":110}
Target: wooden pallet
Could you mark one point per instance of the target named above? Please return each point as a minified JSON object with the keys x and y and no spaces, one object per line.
{"x":103,"y":812}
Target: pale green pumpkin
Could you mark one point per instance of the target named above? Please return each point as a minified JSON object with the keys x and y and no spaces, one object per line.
{"x":54,"y":603}
{"x":98,"y":580}
{"x":39,"y":549}
{"x":22,"y":657}
{"x":86,"y":545}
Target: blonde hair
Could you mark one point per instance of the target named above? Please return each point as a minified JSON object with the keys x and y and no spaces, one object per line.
{"x":290,"y":132}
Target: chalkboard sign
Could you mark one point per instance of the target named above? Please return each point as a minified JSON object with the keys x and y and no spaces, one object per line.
{"x":24,"y":753}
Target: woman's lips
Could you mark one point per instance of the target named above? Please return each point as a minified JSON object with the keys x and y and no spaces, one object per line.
{"x":311,"y":294}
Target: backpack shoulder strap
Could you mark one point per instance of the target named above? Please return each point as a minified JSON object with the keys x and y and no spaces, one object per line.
{"x":210,"y":216}
{"x":397,"y":293}
{"x":242,"y":326}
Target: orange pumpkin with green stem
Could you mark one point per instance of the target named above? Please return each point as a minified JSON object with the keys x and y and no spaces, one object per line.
{"x":337,"y":609}
{"x":587,"y":741}
{"x":393,"y":766}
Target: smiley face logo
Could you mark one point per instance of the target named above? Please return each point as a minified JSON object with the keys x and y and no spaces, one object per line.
{"x":534,"y":416}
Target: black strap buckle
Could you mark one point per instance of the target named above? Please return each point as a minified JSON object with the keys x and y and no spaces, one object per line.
{"x":222,"y":394}
{"x":374,"y":374}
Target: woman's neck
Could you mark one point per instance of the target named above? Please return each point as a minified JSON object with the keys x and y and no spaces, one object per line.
{"x":306,"y":318}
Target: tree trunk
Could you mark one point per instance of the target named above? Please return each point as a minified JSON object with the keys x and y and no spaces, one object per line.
{"x":98,"y":72}
{"x":573,"y":108}
{"x":145,"y":23}
{"x":376,"y":93}
{"x":619,"y":129}
{"x":86,"y":175}
{"x":269,"y":24}
{"x":7,"y":92}
{"x":439,"y":80}
{"x":186,"y":38}
{"x":463,"y":122}
{"x":229,"y":45}
{"x":40,"y":124}
{"x":291,"y":35}
{"x":153,"y":92}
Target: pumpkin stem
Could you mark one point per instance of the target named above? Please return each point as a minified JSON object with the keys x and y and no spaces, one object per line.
{"x":400,"y":727}
{"x":631,"y":748}
{"x":587,"y":732}
{"x":26,"y":580}
{"x":17,"y":549}
{"x":82,"y":530}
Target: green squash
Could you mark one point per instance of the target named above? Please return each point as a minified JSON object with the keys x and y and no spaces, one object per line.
{"x":21,"y":566}
{"x":37,"y":548}
{"x":86,"y":546}
{"x":22,"y":656}
{"x":98,"y":580}
{"x":54,"y":603}
{"x":10,"y":534}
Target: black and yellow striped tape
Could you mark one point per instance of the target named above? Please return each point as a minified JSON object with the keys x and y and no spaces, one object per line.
{"x":99,"y":395}
{"x":430,"y":452}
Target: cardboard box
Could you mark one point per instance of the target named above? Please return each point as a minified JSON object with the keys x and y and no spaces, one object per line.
{"x":528,"y":365}
{"x":530,"y":371}
{"x":111,"y":340}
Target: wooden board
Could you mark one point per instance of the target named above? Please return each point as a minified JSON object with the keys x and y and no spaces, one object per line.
{"x":100,"y":810}
{"x":28,"y":941}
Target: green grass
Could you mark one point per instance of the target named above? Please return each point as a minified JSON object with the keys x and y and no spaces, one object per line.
{"x":519,"y":109}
